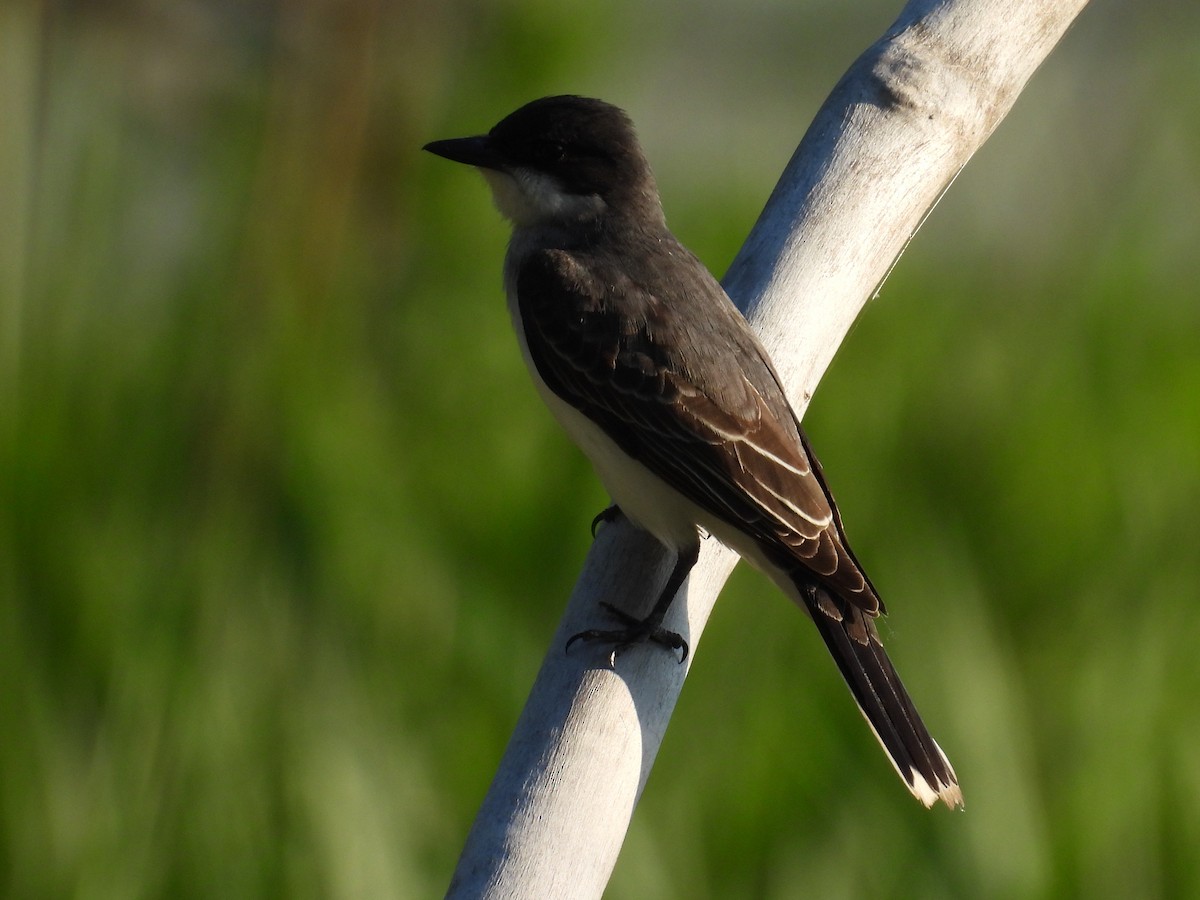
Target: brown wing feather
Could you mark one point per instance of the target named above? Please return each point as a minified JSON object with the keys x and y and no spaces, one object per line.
{"x":693,"y":397}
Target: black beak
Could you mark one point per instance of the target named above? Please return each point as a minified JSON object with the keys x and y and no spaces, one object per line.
{"x":471,"y":151}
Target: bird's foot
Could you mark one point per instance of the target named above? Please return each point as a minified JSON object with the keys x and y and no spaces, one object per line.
{"x":636,"y":631}
{"x":605,"y":517}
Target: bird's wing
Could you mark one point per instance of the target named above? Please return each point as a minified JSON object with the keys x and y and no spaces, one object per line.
{"x":687,"y":390}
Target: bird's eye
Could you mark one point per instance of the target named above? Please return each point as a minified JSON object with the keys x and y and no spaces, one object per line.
{"x":549,"y":152}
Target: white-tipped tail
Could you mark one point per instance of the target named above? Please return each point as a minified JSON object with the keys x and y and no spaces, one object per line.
{"x":855,"y":646}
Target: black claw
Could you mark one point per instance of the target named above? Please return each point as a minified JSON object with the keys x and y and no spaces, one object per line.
{"x":636,"y":631}
{"x":606,"y":515}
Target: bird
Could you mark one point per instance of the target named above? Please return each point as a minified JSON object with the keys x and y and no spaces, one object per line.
{"x":649,"y":367}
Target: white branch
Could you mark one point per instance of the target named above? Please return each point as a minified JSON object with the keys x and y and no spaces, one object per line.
{"x":890,"y":139}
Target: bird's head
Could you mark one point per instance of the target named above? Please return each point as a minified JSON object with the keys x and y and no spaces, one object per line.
{"x":560,"y":160}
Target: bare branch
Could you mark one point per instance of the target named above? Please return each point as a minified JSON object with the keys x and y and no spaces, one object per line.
{"x":890,"y":139}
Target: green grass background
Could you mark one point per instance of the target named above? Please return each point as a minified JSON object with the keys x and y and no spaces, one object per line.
{"x":284,"y":531}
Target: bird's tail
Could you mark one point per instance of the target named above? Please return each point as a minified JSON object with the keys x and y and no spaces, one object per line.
{"x":850,"y":635}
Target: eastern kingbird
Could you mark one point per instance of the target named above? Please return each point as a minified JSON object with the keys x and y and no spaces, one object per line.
{"x":651,"y":369}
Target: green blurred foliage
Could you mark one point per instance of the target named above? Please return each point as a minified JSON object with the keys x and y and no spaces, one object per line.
{"x":284,"y":531}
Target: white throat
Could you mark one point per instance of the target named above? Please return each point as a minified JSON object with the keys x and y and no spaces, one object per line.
{"x":527,"y":197}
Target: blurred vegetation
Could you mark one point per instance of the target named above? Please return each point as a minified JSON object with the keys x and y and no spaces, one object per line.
{"x":284,"y":531}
